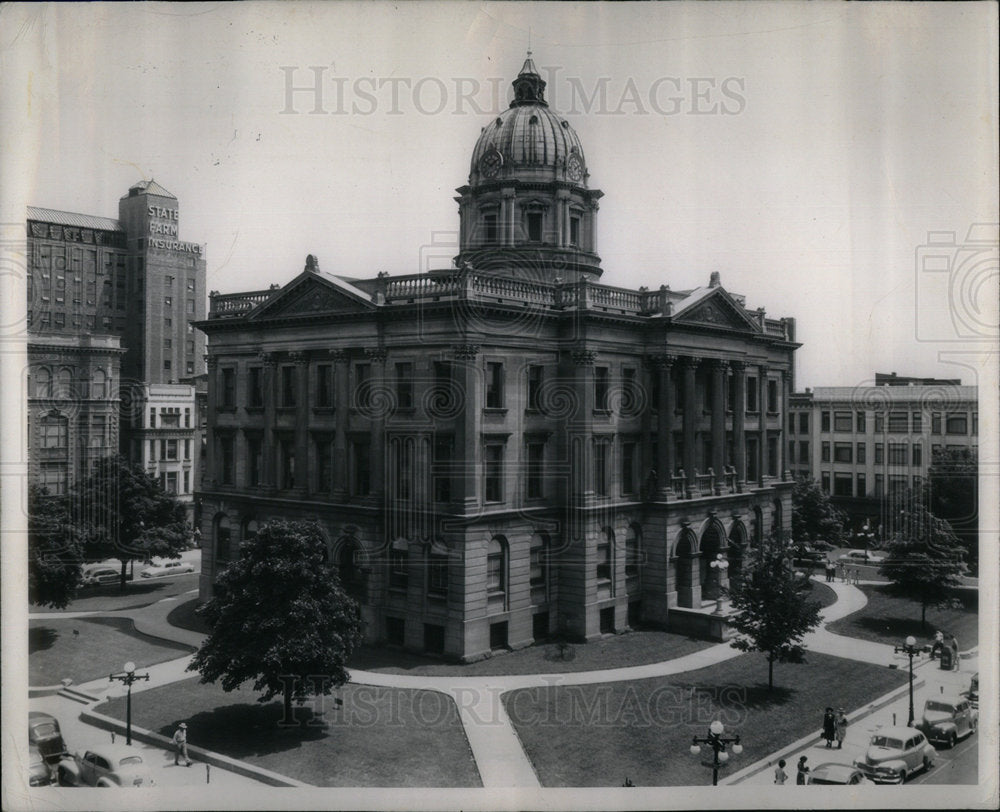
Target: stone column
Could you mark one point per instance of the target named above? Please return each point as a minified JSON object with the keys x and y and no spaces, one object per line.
{"x":688,"y":367}
{"x":762,"y":404}
{"x":301,"y":360}
{"x":510,"y":217}
{"x":466,"y":461}
{"x":719,"y":424}
{"x":208,"y":475}
{"x":665,"y":429}
{"x":739,"y":413}
{"x":341,"y":411}
{"x":268,"y":478}
{"x":581,"y":433}
{"x":786,"y":376}
{"x":376,"y":407}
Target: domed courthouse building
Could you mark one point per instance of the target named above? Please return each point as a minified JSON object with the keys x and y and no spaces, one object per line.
{"x":507,"y":449}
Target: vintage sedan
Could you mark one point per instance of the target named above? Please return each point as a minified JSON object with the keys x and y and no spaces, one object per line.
{"x":947,"y":719}
{"x":167,"y":568}
{"x":111,"y":766}
{"x":895,"y":753}
{"x":38,"y":771}
{"x":861,"y":557}
{"x":44,"y":733}
{"x":831,"y":773}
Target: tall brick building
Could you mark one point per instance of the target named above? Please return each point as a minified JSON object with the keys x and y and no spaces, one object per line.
{"x":504,"y":449}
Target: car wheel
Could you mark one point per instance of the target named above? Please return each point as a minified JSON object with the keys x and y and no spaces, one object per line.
{"x":902,"y":776}
{"x":928,"y":763}
{"x":63,"y":778}
{"x":952,"y":739}
{"x":973,"y":725}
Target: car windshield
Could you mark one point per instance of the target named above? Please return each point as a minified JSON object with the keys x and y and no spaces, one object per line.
{"x":885,"y":741}
{"x":130,"y":760}
{"x":939,"y":706}
{"x":44,"y":729}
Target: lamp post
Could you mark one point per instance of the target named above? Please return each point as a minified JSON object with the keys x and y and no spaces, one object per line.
{"x":720,"y":565}
{"x":127,"y":678}
{"x":909,"y":648}
{"x":718,"y":743}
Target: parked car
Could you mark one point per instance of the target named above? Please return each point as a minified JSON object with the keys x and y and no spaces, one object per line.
{"x":39,"y":774}
{"x":111,"y":766}
{"x":973,"y":693}
{"x":44,"y":734}
{"x":862,"y":557}
{"x":895,"y":753}
{"x":830,"y":773}
{"x":167,"y":568}
{"x":97,"y":574}
{"x":947,"y":719}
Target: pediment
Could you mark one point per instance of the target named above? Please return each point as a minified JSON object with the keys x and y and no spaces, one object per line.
{"x":717,"y":310}
{"x":312,"y":295}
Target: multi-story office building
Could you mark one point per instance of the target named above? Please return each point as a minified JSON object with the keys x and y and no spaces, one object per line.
{"x":507,"y":448}
{"x":129,"y":283}
{"x":868,"y":445}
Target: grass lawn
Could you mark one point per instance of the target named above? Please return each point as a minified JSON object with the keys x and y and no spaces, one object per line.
{"x":823,"y":594}
{"x":184,"y":616}
{"x":102,"y":645}
{"x":381,"y":737}
{"x":596,"y":735}
{"x":613,"y":651}
{"x":138,"y":593}
{"x":889,"y":619}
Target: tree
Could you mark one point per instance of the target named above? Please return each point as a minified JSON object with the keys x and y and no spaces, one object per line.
{"x":924,"y":558}
{"x":127,"y":515}
{"x":54,"y":550}
{"x":813,"y":514}
{"x":771,"y":608}
{"x":279,"y":617}
{"x":952,"y":493}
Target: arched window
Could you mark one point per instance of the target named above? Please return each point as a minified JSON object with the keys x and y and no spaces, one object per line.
{"x":64,"y":383}
{"x":605,"y":555}
{"x":97,"y":385}
{"x":223,"y":540}
{"x":43,"y":383}
{"x":437,"y":570}
{"x":539,"y":564}
{"x":250,"y":529}
{"x":496,"y":566}
{"x":633,"y":553}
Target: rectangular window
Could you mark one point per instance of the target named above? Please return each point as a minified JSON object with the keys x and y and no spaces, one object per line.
{"x":957,"y":423}
{"x":167,"y":323}
{"x":935,"y":422}
{"x":630,"y":393}
{"x":825,"y":452}
{"x":897,"y":453}
{"x":842,"y":452}
{"x":772,"y":456}
{"x":860,"y":422}
{"x":803,"y":452}
{"x":189,"y":367}
{"x":324,"y":466}
{"x":862,"y":486}
{"x":574,"y":230}
{"x":287,"y":449}
{"x":288,"y":386}
{"x":861,"y":458}
{"x":255,"y":388}
{"x":917,"y":454}
{"x":171,"y":452}
{"x":536,"y":470}
{"x":791,"y":423}
{"x":628,"y":460}
{"x":879,"y":453}
{"x":751,"y":456}
{"x":187,"y":482}
{"x":190,"y":306}
{"x":917,"y":422}
{"x":824,"y":421}
{"x":534,"y":226}
{"x":170,"y":482}
{"x":494,"y":385}
{"x":437,"y":575}
{"x":535,"y":378}
{"x":190,"y":286}
{"x":255,"y":460}
{"x":324,"y":386}
{"x":361,"y":467}
{"x":399,"y":569}
{"x":170,"y":420}
{"x":362,"y":385}
{"x":601,"y":389}
{"x":494,"y":573}
{"x":491,"y":235}
{"x":601,"y":468}
{"x":167,"y":365}
{"x":899,"y":422}
{"x":772,"y":396}
{"x":825,"y":481}
{"x":404,"y":385}
{"x":804,"y":423}
{"x":443,"y":452}
{"x":537,"y":562}
{"x":751,"y":393}
{"x":842,"y":421}
{"x":168,"y":301}
{"x":879,"y":485}
{"x":843,"y":485}
{"x":226,"y":462}
{"x":493,"y":491}
{"x":879,"y":423}
{"x":604,"y":561}
{"x":228,"y":388}
{"x":168,"y":344}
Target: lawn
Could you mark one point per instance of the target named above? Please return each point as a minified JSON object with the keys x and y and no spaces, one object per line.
{"x":381,"y":737}
{"x":823,"y":594}
{"x":889,"y":619}
{"x":83,"y":649}
{"x":138,"y":593}
{"x":613,"y":651}
{"x":596,"y":735}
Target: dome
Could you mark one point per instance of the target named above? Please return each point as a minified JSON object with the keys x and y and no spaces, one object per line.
{"x":528,"y":140}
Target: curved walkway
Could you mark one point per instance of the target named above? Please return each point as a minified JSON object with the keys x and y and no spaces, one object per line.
{"x":498,"y":752}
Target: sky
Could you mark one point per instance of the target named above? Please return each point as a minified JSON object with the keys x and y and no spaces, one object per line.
{"x":804,"y":151}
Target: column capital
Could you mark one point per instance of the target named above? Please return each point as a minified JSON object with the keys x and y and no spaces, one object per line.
{"x":737,"y":365}
{"x":584,"y":358}
{"x":298,"y":357}
{"x":465,"y":352}
{"x":267,"y":358}
{"x":786,"y":374}
{"x":211,"y":361}
{"x":689,"y":361}
{"x":664,"y":361}
{"x":376,"y":355}
{"x":337,"y":356}
{"x":720,"y":364}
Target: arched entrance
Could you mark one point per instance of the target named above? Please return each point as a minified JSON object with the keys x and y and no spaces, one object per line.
{"x":350,"y":561}
{"x":685,"y":561}
{"x":737,"y":547}
{"x":713,"y":542}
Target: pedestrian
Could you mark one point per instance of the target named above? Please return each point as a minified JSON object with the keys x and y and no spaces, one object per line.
{"x":181,"y":744}
{"x":954,"y":652}
{"x":938,"y":644}
{"x":802,"y":771}
{"x":843,"y":573}
{"x":857,"y":575}
{"x":829,"y":571}
{"x":841,"y":728}
{"x":780,"y":776}
{"x":829,"y":726}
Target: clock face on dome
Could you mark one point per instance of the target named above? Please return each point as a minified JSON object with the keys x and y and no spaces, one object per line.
{"x":490,"y":163}
{"x":574,"y":167}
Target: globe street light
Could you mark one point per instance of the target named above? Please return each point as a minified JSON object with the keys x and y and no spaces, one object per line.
{"x":720,"y":565}
{"x":127,"y":678}
{"x":718,"y":743}
{"x":909,"y":648}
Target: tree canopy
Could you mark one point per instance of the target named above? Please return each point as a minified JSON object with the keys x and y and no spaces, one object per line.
{"x":771,"y":607}
{"x":280,"y":617}
{"x":951,"y":493}
{"x":127,"y":515}
{"x":924,"y":560}
{"x":54,"y":550}
{"x":813,"y":514}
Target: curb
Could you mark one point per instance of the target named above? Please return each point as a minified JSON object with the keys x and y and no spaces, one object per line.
{"x":205,"y":756}
{"x":860,"y":713}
